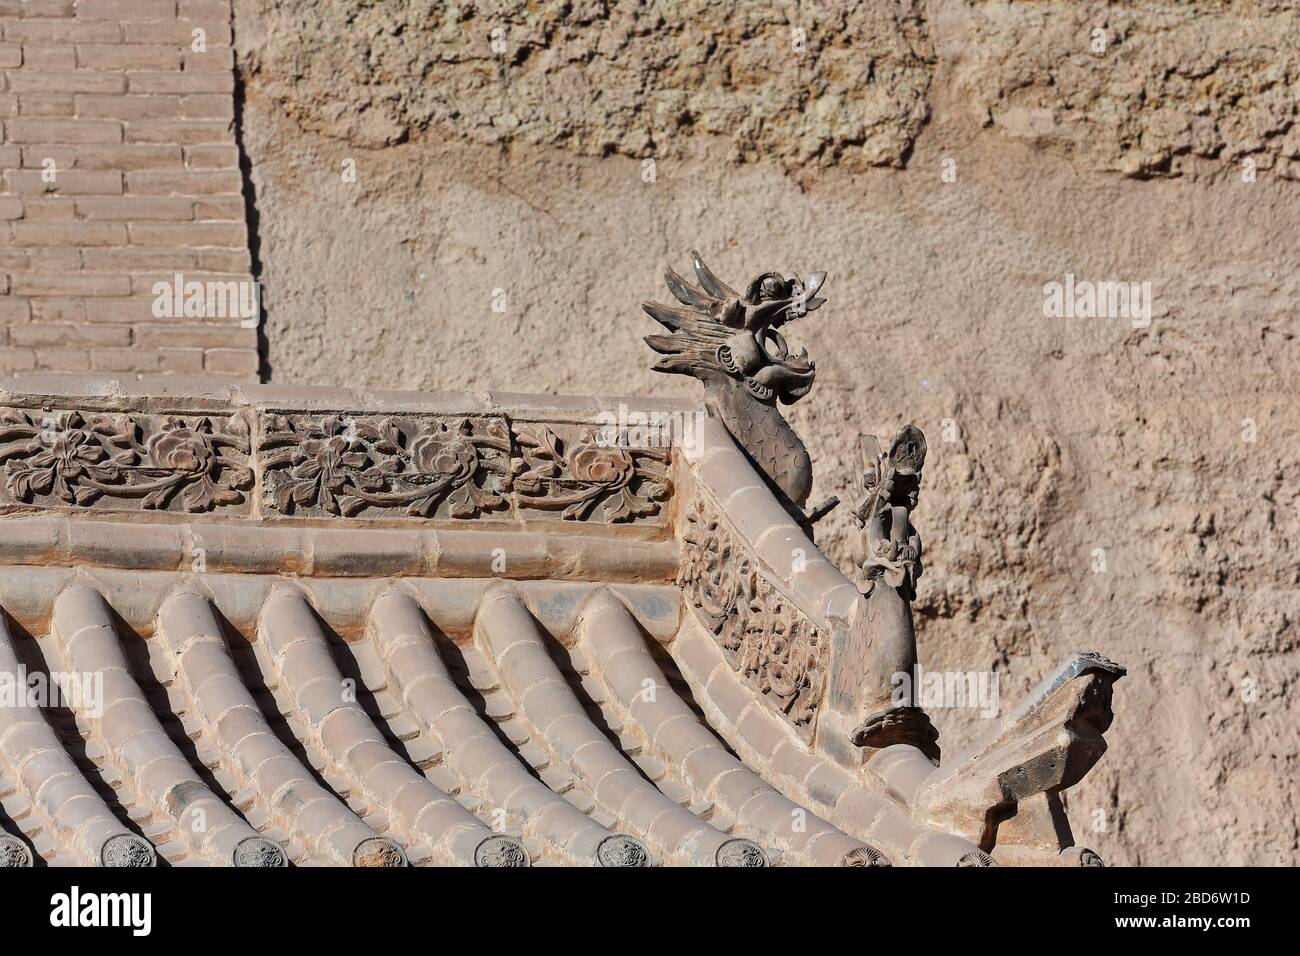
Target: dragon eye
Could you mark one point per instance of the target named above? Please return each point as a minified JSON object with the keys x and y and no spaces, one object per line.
{"x":771,"y":287}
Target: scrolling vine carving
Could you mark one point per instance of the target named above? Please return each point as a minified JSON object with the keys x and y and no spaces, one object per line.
{"x":176,"y":463}
{"x":765,"y":638}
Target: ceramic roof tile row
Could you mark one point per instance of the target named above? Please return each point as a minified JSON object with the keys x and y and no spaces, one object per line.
{"x":671,"y":731}
{"x":43,"y":791}
{"x":187,"y":818}
{"x":468,"y":745}
{"x":513,"y":642}
{"x":550,"y":778}
{"x":269,"y":783}
{"x":296,"y":652}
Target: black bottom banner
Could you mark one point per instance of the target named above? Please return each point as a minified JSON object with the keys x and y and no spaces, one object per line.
{"x":665,"y":907}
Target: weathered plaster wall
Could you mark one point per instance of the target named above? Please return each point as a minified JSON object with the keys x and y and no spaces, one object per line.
{"x":519,"y":181}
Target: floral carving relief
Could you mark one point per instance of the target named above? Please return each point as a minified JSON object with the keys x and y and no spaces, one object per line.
{"x":164,"y":463}
{"x":582,"y":477}
{"x":766,"y":639}
{"x":338,"y":465}
{"x":321,"y":465}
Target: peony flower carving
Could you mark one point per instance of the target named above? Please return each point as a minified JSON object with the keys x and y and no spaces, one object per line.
{"x":161,"y":462}
{"x":344,"y":467}
{"x":625,"y":482}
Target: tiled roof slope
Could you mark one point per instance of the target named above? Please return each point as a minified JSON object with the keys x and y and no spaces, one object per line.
{"x":120,"y":170}
{"x":376,"y":629}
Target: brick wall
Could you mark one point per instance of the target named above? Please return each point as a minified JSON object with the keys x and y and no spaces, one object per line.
{"x":120,"y":171}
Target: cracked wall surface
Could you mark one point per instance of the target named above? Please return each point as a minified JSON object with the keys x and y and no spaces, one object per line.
{"x":1090,"y":484}
{"x":1136,"y":88}
{"x":635,"y":78}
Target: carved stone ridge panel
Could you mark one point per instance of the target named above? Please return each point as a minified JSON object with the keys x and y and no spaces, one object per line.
{"x":324,"y":465}
{"x":454,"y":467}
{"x":582,"y":478}
{"x":768,"y":641}
{"x":125,"y":461}
{"x":339,"y":465}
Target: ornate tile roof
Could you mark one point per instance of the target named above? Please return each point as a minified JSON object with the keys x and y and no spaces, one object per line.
{"x":306,"y":626}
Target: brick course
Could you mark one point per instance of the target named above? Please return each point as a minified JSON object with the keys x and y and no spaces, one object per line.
{"x":118,"y":169}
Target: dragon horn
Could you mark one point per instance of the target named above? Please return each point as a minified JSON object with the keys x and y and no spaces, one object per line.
{"x":711,"y":283}
{"x":666,"y":315}
{"x":868,"y":450}
{"x":684,"y":292}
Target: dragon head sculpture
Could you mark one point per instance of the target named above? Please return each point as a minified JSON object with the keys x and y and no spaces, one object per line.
{"x":719,"y":332}
{"x":732,"y":343}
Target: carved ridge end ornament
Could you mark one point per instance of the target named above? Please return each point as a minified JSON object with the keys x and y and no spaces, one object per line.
{"x":731,"y":341}
{"x":886,"y":565}
{"x":768,"y":641}
{"x":888,"y":486}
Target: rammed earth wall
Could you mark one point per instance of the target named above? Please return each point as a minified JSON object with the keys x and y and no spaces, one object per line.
{"x":120,"y":173}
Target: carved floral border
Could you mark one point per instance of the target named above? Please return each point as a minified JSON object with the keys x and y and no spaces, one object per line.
{"x":343,"y":466}
{"x":453,"y":467}
{"x":326,"y":465}
{"x":768,"y":641}
{"x":123,"y":461}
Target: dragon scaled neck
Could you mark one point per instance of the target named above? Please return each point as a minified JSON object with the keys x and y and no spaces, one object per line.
{"x":765,"y":435}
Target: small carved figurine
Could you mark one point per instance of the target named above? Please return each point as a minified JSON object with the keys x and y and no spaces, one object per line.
{"x":731,"y":342}
{"x":890,"y":485}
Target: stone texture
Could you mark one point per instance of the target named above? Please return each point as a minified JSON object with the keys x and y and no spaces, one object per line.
{"x":1139,"y":89}
{"x":813,"y":85}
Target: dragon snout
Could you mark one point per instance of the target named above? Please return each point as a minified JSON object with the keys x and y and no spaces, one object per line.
{"x":803,"y":298}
